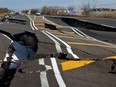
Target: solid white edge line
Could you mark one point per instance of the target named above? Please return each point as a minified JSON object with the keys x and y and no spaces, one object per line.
{"x":57,"y":73}
{"x":31,"y":25}
{"x":68,"y":47}
{"x":8,"y":37}
{"x":31,"y":22}
{"x":50,"y":21}
{"x":43,"y":75}
{"x":81,"y":32}
{"x":110,"y":44}
{"x":34,"y":26}
{"x":107,"y":25}
{"x":77,"y":32}
{"x":57,"y":44}
{"x":30,"y":18}
{"x":99,"y":40}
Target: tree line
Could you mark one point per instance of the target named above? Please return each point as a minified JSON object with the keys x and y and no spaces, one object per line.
{"x":4,"y":10}
{"x":52,"y":10}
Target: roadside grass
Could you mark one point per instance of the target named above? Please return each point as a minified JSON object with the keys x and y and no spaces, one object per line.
{"x":97,"y":14}
{"x":106,"y":14}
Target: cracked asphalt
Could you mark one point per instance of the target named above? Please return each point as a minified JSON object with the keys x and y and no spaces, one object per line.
{"x":49,"y":71}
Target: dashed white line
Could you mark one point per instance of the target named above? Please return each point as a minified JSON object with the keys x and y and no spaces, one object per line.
{"x":44,"y":81}
{"x":43,"y":75}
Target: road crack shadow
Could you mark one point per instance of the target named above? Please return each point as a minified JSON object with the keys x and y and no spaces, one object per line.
{"x":23,"y":47}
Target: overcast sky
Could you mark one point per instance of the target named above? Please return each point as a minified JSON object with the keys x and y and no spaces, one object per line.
{"x":28,"y":4}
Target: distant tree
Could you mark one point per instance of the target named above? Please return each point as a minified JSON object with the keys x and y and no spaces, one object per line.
{"x":53,"y":10}
{"x":70,"y":8}
{"x":4,"y":10}
{"x":34,"y":11}
{"x":25,"y":11}
{"x":86,"y":9}
{"x":45,"y":10}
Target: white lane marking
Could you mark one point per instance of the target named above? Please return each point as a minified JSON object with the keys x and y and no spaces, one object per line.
{"x":44,"y":81}
{"x":55,"y":68}
{"x":54,"y":63}
{"x":77,"y":32}
{"x":95,"y":39}
{"x":35,"y":28}
{"x":43,"y":74}
{"x":57,"y":73}
{"x":49,"y":21}
{"x":57,"y":44}
{"x":31,"y":25}
{"x":43,"y":78}
{"x":110,"y":44}
{"x":7,"y":37}
{"x":68,"y":47}
{"x":107,"y":25}
{"x":43,"y":17}
{"x":84,"y":20}
{"x":34,"y":25}
{"x":29,"y":18}
{"x":41,"y":62}
{"x":81,"y":32}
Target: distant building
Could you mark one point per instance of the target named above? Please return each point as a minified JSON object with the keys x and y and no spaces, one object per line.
{"x":72,"y":13}
{"x":38,"y":13}
{"x":103,"y":9}
{"x":29,"y":12}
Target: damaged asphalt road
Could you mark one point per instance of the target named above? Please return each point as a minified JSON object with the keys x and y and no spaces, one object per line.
{"x":23,"y":47}
{"x":50,"y":68}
